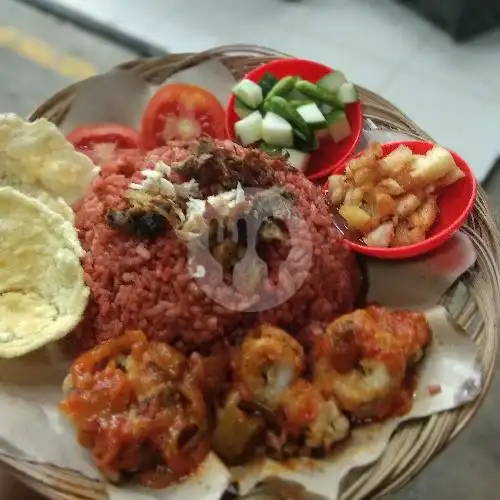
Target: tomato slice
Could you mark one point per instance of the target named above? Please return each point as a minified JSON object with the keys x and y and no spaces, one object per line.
{"x":102,"y":141}
{"x":181,"y":111}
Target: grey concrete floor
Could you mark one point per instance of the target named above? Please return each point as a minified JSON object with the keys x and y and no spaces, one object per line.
{"x":40,"y":55}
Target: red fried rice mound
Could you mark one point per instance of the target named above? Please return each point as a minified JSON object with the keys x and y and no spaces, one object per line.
{"x":146,"y":285}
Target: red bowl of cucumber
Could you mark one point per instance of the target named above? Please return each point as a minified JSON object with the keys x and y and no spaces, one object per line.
{"x":301,"y":107}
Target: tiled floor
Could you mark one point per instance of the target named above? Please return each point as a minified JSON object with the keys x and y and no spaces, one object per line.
{"x":452,"y":91}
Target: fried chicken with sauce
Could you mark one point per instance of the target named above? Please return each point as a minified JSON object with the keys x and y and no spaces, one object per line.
{"x":268,"y":374}
{"x":410,"y":327}
{"x":307,"y":414}
{"x":362,"y":357}
{"x":235,"y":429}
{"x":267,"y":363}
{"x":146,"y":410}
{"x":139,"y":407}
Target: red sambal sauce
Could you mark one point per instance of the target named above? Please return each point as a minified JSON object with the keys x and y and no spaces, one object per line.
{"x":397,"y":404}
{"x":403,"y":403}
{"x":139,"y":407}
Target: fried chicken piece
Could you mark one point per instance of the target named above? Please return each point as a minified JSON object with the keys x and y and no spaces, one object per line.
{"x":139,"y":407}
{"x":267,"y":363}
{"x":307,"y":413}
{"x":359,"y":364}
{"x":362,"y":357}
{"x":235,"y":429}
{"x":409,"y":327}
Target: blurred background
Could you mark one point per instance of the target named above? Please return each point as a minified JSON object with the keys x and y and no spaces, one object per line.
{"x":438,"y":61}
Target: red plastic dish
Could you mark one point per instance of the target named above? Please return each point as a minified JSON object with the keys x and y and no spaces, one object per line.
{"x":330,"y":155}
{"x":455,"y":204}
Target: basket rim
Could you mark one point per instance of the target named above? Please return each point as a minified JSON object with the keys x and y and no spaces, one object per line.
{"x":430,"y":436}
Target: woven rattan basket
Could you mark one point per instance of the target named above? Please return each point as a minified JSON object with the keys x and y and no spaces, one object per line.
{"x":474,"y":302}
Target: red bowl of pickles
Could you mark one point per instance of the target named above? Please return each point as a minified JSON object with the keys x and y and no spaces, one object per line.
{"x":427,"y":208}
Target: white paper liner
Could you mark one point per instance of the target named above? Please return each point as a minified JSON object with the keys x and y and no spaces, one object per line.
{"x":424,"y":279}
{"x":121,"y":97}
{"x":114,"y":97}
{"x":209,"y":483}
{"x":31,"y":426}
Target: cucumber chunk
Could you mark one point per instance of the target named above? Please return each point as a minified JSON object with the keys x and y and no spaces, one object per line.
{"x":338,"y":125}
{"x":312,"y":115}
{"x":326,"y":109}
{"x":295,"y":95}
{"x":347,"y":93}
{"x":249,"y":129}
{"x":276,"y":131}
{"x":249,"y":93}
{"x":240,"y":109}
{"x":297,"y":159}
{"x":281,"y":107}
{"x":332,"y":81}
{"x":267,"y":82}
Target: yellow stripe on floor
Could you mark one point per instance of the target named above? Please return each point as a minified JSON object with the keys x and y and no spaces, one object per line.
{"x":44,"y":55}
